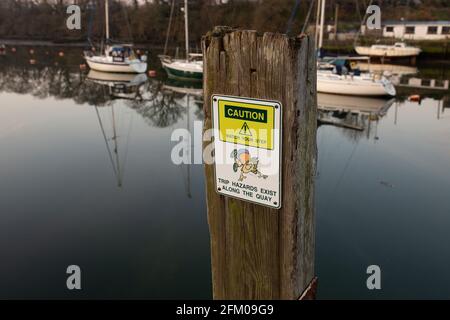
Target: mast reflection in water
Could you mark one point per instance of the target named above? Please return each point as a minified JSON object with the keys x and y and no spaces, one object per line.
{"x":70,"y":137}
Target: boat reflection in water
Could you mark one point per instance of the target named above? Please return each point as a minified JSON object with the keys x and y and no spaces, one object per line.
{"x":183,"y":87}
{"x":118,"y":86}
{"x":161,"y":104}
{"x":351,"y":112}
{"x":387,"y":69}
{"x":187,"y":94}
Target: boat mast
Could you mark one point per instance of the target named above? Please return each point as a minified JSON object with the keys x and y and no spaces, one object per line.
{"x":316,"y":36}
{"x":107,"y":19}
{"x":186,"y":28}
{"x":322,"y":21}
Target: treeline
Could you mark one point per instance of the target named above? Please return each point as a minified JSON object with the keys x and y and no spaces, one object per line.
{"x":147,"y":20}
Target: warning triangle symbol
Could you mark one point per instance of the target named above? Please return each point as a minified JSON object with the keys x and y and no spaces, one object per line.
{"x":245,"y":130}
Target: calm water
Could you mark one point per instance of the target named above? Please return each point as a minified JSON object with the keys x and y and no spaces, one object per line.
{"x":86,"y":179}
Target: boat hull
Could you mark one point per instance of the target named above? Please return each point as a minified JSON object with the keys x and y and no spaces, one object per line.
{"x":354,"y":87}
{"x":176,"y":72}
{"x":387,"y":52}
{"x":105,"y":66}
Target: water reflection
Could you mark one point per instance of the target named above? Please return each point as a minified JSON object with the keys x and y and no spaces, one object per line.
{"x":381,"y":190}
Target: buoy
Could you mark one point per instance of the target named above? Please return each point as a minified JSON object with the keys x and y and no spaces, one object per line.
{"x":138,"y":51}
{"x":13,"y":50}
{"x":61,"y":54}
{"x":152,"y":73}
{"x":414,"y":98}
{"x":82,"y":66}
{"x":31,"y":51}
{"x":32,"y":61}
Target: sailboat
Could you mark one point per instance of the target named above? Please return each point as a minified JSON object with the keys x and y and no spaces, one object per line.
{"x":398,"y":50}
{"x":336,"y":76}
{"x":190,"y":68}
{"x":340,"y":78}
{"x":116,"y":58}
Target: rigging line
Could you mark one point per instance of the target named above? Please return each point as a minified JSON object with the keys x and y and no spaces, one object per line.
{"x":358,"y":10}
{"x":305,"y":25}
{"x":106,"y":140}
{"x":362,"y":22}
{"x":233,"y":14}
{"x":169,"y":27}
{"x":127,"y":145}
{"x":292,"y":17}
{"x":125,"y":12}
{"x":91,"y":8}
{"x":345,"y":169}
{"x":116,"y":147}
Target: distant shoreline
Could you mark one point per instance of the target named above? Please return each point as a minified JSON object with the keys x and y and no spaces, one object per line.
{"x":62,"y":43}
{"x":43,"y":43}
{"x":430,"y":50}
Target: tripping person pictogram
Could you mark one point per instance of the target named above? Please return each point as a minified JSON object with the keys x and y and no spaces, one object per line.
{"x":247,"y":164}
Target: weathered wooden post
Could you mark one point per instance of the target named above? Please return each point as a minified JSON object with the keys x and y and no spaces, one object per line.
{"x":260,"y":252}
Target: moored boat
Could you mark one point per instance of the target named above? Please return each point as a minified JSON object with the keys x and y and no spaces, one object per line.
{"x":190,"y":68}
{"x":118,"y":58}
{"x":362,"y":85}
{"x":398,"y":50}
{"x":340,"y":78}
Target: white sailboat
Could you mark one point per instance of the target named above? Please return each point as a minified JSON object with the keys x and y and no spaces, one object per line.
{"x":398,"y":50}
{"x":190,"y":68}
{"x":357,"y":85}
{"x":336,"y":76}
{"x":116,"y":58}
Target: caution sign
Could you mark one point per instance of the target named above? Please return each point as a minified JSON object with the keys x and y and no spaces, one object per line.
{"x":247,"y":148}
{"x":246,"y":123}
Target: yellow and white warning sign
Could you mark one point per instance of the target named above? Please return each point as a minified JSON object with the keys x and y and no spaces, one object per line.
{"x":247,"y":123}
{"x":248,"y":149}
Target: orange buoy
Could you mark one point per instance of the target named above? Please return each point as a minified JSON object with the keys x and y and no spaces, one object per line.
{"x":31,"y":51}
{"x":414,"y":98}
{"x":13,"y":50}
{"x":152,"y":73}
{"x":61,"y":54}
{"x":32,"y":61}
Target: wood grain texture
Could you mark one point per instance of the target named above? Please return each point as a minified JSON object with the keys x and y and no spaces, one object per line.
{"x":258,"y":252}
